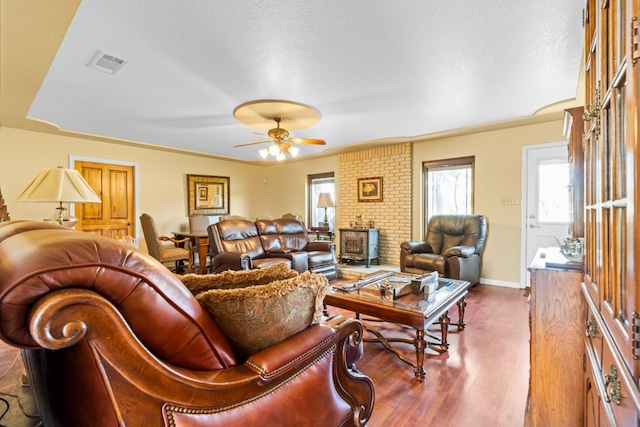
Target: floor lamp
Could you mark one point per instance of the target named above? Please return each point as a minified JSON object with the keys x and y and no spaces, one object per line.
{"x":62,"y":186}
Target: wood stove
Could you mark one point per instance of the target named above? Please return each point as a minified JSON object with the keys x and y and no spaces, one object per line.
{"x":359,"y":244}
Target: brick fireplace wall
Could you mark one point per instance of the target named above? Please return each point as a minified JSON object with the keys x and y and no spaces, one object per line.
{"x":393,"y":214}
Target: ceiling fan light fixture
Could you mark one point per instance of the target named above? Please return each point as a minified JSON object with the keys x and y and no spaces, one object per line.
{"x":279,"y":151}
{"x":274,"y":150}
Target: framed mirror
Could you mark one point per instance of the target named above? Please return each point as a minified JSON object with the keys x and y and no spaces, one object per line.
{"x":208,"y":195}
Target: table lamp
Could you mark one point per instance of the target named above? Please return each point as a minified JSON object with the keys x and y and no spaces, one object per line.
{"x":325,"y":201}
{"x":62,"y":186}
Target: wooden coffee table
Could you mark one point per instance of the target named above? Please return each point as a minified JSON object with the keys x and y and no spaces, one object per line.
{"x":373,"y":295}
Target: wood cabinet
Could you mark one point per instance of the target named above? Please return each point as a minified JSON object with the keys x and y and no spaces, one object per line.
{"x":573,"y":130}
{"x":612,"y":196}
{"x":557,"y":330}
{"x":359,"y":244}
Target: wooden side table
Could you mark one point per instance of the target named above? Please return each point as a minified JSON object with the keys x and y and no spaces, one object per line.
{"x":321,"y":232}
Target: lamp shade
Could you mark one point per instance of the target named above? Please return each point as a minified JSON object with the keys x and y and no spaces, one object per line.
{"x":325,"y":200}
{"x":59,"y":185}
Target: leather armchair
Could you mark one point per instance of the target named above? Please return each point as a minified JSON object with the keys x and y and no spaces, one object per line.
{"x":110,"y":338}
{"x":452,"y":246}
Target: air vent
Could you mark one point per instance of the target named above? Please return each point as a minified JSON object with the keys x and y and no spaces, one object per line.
{"x":106,"y":63}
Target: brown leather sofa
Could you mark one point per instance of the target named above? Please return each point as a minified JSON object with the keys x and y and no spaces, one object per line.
{"x":110,"y":337}
{"x":452,"y":246}
{"x":243,"y":245}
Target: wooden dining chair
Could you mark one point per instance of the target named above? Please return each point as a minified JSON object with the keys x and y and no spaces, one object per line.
{"x":159,"y":251}
{"x":198,"y":225}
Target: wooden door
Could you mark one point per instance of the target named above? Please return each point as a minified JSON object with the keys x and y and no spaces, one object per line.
{"x":115,"y":216}
{"x":547,"y":197}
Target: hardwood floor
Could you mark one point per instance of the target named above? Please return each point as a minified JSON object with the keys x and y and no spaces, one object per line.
{"x":17,"y":407}
{"x":481,"y":381}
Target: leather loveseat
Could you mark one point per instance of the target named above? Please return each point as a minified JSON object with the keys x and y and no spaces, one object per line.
{"x":452,"y":247}
{"x":240,"y":244}
{"x":110,"y":337}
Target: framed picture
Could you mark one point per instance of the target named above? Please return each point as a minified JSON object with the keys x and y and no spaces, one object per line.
{"x":208,"y":195}
{"x":203,"y":194}
{"x":370,"y":189}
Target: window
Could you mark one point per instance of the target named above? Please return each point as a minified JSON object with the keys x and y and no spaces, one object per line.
{"x":553,"y":201}
{"x":448,"y":187}
{"x":317,"y":184}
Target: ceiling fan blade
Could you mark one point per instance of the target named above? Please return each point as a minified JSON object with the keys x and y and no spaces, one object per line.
{"x":261,"y":134}
{"x":252,"y":143}
{"x":306,"y":141}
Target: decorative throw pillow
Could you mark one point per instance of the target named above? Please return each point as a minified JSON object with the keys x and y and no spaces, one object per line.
{"x":259,"y":312}
{"x":197,"y":283}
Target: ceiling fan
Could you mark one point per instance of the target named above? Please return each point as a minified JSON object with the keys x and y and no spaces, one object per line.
{"x":281,"y":142}
{"x":262,"y":113}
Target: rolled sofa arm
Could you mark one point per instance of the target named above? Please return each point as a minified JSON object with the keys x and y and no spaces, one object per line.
{"x":279,"y":358}
{"x":232,"y":261}
{"x":416,"y":247}
{"x":354,"y":349}
{"x":321,"y":245}
{"x":38,"y":258}
{"x":460,"y":251}
{"x":350,"y":350}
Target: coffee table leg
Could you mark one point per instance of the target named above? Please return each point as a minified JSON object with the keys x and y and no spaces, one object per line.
{"x":420,"y":345}
{"x":444,"y":329}
{"x":462,"y":304}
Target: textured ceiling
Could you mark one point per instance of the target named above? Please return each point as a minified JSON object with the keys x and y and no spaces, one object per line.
{"x":374,"y":69}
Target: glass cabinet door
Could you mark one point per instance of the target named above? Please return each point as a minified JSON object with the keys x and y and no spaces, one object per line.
{"x":611,"y":120}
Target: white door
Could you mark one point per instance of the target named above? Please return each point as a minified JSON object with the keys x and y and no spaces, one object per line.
{"x":547,"y":207}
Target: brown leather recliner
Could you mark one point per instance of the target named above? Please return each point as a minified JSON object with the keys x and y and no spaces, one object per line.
{"x":452,"y":246}
{"x":235,"y":245}
{"x":293,"y":237}
{"x":244,"y":245}
{"x":110,"y":337}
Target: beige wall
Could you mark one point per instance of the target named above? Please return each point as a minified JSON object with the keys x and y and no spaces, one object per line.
{"x":274,"y":190}
{"x":498,"y":175}
{"x":162,"y":175}
{"x":286,"y":185}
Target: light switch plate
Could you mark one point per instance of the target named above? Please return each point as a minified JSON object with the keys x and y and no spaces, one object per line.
{"x":510,"y":201}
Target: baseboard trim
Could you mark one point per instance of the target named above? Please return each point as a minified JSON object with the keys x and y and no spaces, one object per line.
{"x":502,"y":283}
